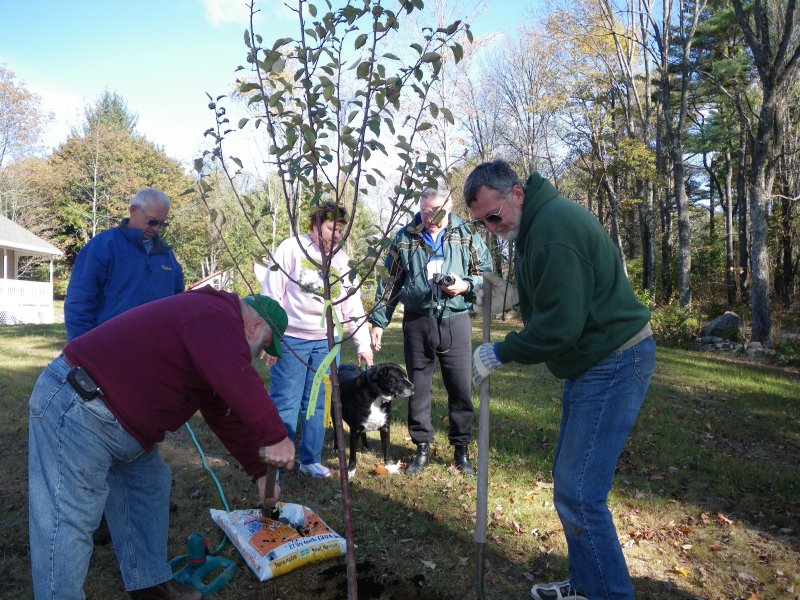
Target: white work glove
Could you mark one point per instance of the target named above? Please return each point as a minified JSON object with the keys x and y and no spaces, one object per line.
{"x":502,"y":299}
{"x":484,"y":361}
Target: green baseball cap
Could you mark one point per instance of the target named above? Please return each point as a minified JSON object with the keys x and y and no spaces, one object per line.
{"x":274,"y":316}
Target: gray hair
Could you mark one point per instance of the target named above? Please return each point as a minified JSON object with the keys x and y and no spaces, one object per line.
{"x":148,"y":196}
{"x":496,"y":175}
{"x":429,"y":193}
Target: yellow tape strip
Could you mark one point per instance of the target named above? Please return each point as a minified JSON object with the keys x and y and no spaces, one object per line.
{"x":323,"y":367}
{"x":326,"y":419}
{"x":318,"y":377}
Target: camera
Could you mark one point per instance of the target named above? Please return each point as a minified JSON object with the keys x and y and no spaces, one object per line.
{"x":442,"y":279}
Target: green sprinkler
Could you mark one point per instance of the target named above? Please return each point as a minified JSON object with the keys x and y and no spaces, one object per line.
{"x":206,"y":573}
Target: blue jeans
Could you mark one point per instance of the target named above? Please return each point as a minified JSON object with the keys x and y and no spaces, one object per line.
{"x":290,"y":388}
{"x":599,"y":408}
{"x":81,"y":461}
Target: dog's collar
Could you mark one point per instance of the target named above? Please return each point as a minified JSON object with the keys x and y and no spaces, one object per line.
{"x":371,"y":385}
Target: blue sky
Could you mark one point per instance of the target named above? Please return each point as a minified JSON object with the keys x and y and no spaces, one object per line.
{"x":161,"y":56}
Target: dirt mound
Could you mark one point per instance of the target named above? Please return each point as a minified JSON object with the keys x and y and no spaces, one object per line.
{"x":374,"y":584}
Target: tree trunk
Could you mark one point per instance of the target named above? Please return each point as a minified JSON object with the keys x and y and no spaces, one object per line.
{"x":613,"y":203}
{"x":741,"y":213}
{"x":684,"y":229}
{"x":647,"y":223}
{"x":787,"y":263}
{"x":759,"y":262}
{"x":730,"y":279}
{"x":712,"y":184}
{"x":762,"y":177}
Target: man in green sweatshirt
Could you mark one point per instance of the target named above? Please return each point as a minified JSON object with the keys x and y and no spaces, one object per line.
{"x":583,"y":320}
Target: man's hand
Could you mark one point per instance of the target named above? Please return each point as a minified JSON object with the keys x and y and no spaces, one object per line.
{"x":376,"y":334}
{"x":459,"y":286}
{"x":279,"y":455}
{"x":365,"y":357}
{"x":484,"y":361}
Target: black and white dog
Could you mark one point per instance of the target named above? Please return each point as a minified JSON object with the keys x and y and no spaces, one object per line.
{"x":367,"y":401}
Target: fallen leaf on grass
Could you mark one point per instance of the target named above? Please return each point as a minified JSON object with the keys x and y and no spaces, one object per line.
{"x":518,"y":530}
{"x":714,"y":547}
{"x":681,"y":570}
{"x":723,"y":520}
{"x":431,"y":565}
{"x":746,"y":577}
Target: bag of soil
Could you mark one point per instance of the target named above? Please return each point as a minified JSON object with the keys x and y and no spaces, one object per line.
{"x":291,"y":537}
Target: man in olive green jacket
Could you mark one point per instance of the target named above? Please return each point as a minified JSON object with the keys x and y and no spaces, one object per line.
{"x":436,"y":321}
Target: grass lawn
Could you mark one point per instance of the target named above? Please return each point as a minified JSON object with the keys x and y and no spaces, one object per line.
{"x":706,"y":501}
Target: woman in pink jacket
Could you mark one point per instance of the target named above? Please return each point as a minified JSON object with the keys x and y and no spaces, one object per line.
{"x":297,"y":285}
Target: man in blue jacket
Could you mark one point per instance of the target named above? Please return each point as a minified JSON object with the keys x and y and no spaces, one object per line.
{"x":123,"y":267}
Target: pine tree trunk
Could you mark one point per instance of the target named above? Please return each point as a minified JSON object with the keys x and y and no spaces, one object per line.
{"x":741,"y":213}
{"x":730,"y":279}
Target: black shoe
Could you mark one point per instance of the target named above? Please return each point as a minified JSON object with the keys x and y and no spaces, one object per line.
{"x":420,"y":460}
{"x":461,"y":460}
{"x":169,"y":590}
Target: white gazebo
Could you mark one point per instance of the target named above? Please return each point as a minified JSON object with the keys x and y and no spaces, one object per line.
{"x":23,"y":301}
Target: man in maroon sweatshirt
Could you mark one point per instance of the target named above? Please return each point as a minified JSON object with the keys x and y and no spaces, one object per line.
{"x":99,"y":409}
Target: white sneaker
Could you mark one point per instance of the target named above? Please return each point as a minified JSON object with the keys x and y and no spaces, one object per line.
{"x":555,"y":591}
{"x":317,"y":470}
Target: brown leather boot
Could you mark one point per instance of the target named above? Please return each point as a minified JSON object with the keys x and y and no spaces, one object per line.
{"x":169,"y":590}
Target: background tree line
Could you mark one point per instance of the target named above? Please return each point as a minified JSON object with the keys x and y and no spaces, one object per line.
{"x":676,"y":123}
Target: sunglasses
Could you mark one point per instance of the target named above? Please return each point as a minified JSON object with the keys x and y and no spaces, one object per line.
{"x":153,"y":222}
{"x":493,"y":218}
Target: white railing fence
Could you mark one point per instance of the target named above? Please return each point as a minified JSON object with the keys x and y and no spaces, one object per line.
{"x":25,"y":302}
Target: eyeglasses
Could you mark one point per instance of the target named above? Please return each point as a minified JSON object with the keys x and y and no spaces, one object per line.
{"x":493,"y":218}
{"x":436,"y":216}
{"x":151,"y":222}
